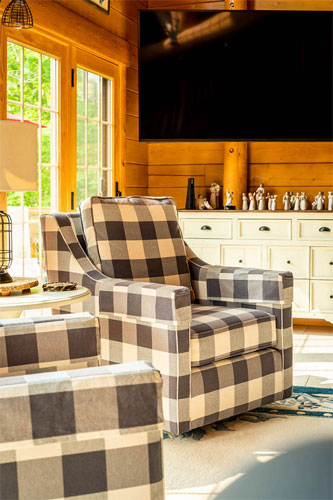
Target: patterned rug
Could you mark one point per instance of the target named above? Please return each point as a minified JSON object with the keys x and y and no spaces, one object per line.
{"x":305,"y":401}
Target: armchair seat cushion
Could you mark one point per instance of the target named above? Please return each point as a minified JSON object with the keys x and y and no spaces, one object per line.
{"x":223,"y":332}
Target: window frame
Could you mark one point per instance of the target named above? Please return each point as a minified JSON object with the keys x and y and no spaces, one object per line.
{"x":89,"y":62}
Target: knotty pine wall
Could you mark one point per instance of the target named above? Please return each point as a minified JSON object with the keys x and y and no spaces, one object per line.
{"x":280,"y":166}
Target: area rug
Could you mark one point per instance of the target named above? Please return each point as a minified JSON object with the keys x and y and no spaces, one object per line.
{"x":306,"y":401}
{"x":204,"y":469}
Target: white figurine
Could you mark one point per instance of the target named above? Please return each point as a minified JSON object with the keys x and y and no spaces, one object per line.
{"x":297,"y":201}
{"x":292,"y":200}
{"x":229,"y":194}
{"x":261,"y":201}
{"x":214,"y":194}
{"x":273,"y":201}
{"x":260,"y":190}
{"x":319,"y":203}
{"x":330,"y":201}
{"x":304,"y":201}
{"x":245,"y":202}
{"x":286,"y":201}
{"x":269,"y":201}
{"x":252,"y":202}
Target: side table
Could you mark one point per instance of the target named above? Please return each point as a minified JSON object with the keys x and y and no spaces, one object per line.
{"x":13,"y":305}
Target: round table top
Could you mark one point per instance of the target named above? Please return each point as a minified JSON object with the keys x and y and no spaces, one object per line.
{"x":37,"y":299}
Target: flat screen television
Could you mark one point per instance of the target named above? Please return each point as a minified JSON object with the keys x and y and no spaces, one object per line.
{"x":240,"y":75}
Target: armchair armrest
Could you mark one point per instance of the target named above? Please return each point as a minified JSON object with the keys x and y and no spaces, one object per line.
{"x":237,"y":284}
{"x":65,"y":258}
{"x":73,"y":434}
{"x":119,"y":398}
{"x":145,"y":301}
{"x":32,"y":345}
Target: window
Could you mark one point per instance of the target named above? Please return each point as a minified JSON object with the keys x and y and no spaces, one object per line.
{"x":32,"y":95}
{"x":94,"y":135}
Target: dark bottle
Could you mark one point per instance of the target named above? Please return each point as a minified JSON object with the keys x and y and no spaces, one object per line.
{"x":190,"y":198}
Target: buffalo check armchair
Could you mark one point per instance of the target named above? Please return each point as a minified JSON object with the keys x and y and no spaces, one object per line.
{"x":221,"y":337}
{"x":69,"y":427}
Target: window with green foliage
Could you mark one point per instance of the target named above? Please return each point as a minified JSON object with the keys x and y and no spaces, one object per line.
{"x":32,"y":95}
{"x":94,"y":135}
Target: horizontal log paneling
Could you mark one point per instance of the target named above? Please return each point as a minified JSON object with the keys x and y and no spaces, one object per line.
{"x":136,"y":152}
{"x":290,"y":152}
{"x":290,"y":4}
{"x":186,"y":4}
{"x":275,"y":174}
{"x":116,"y":22}
{"x":132,"y":103}
{"x":137,"y":191}
{"x":136,"y":176}
{"x":252,"y":4}
{"x":132,"y":79}
{"x":166,"y":181}
{"x":187,"y":153}
{"x":132,"y":127}
{"x":179,"y":194}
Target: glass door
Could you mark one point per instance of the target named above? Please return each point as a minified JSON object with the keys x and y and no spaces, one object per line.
{"x":33,"y":95}
{"x":94,"y":135}
{"x":97,"y":138}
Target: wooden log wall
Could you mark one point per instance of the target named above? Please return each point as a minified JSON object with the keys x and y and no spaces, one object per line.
{"x":280,"y":166}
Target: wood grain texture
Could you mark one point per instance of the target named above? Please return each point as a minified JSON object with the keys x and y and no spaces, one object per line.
{"x":304,"y":174}
{"x":235,"y":171}
{"x":325,"y":5}
{"x":175,"y":153}
{"x":64,"y":23}
{"x":290,"y":152}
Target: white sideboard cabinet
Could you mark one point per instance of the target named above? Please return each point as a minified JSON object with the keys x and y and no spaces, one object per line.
{"x":300,"y":242}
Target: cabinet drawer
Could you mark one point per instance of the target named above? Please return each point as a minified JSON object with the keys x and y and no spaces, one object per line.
{"x":322,"y":296}
{"x":293,"y":259}
{"x":264,"y":229}
{"x":209,"y":254}
{"x":301,"y":295}
{"x":206,"y":228}
{"x":315,"y":230}
{"x":241,"y":256}
{"x":322,"y":262}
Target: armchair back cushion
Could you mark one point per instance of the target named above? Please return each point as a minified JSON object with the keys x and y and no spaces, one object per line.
{"x":136,"y":238}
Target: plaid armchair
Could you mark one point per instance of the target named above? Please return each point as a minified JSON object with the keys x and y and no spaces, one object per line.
{"x":81,"y":433}
{"x":221,"y":337}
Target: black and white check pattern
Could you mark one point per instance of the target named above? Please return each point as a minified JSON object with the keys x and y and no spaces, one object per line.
{"x":52,"y":343}
{"x":222,"y":332}
{"x":91,"y":433}
{"x":136,"y":238}
{"x":156,"y":322}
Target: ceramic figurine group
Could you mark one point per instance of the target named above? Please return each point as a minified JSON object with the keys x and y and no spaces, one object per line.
{"x":260,"y":200}
{"x":291,"y":201}
{"x":204,"y":204}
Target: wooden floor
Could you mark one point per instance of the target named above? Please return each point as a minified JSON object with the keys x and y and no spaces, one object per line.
{"x":313,"y":356}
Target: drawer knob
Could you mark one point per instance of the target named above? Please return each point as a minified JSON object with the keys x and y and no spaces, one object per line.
{"x":240,"y":261}
{"x":264,"y":228}
{"x":206,"y":228}
{"x":331,"y":263}
{"x":324,"y":229}
{"x":288,"y":261}
{"x":331,"y":296}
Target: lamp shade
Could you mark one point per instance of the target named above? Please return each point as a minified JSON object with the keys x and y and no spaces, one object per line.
{"x":18,"y":156}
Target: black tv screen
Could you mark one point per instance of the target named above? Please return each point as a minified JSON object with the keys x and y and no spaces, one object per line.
{"x":241,"y":75}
